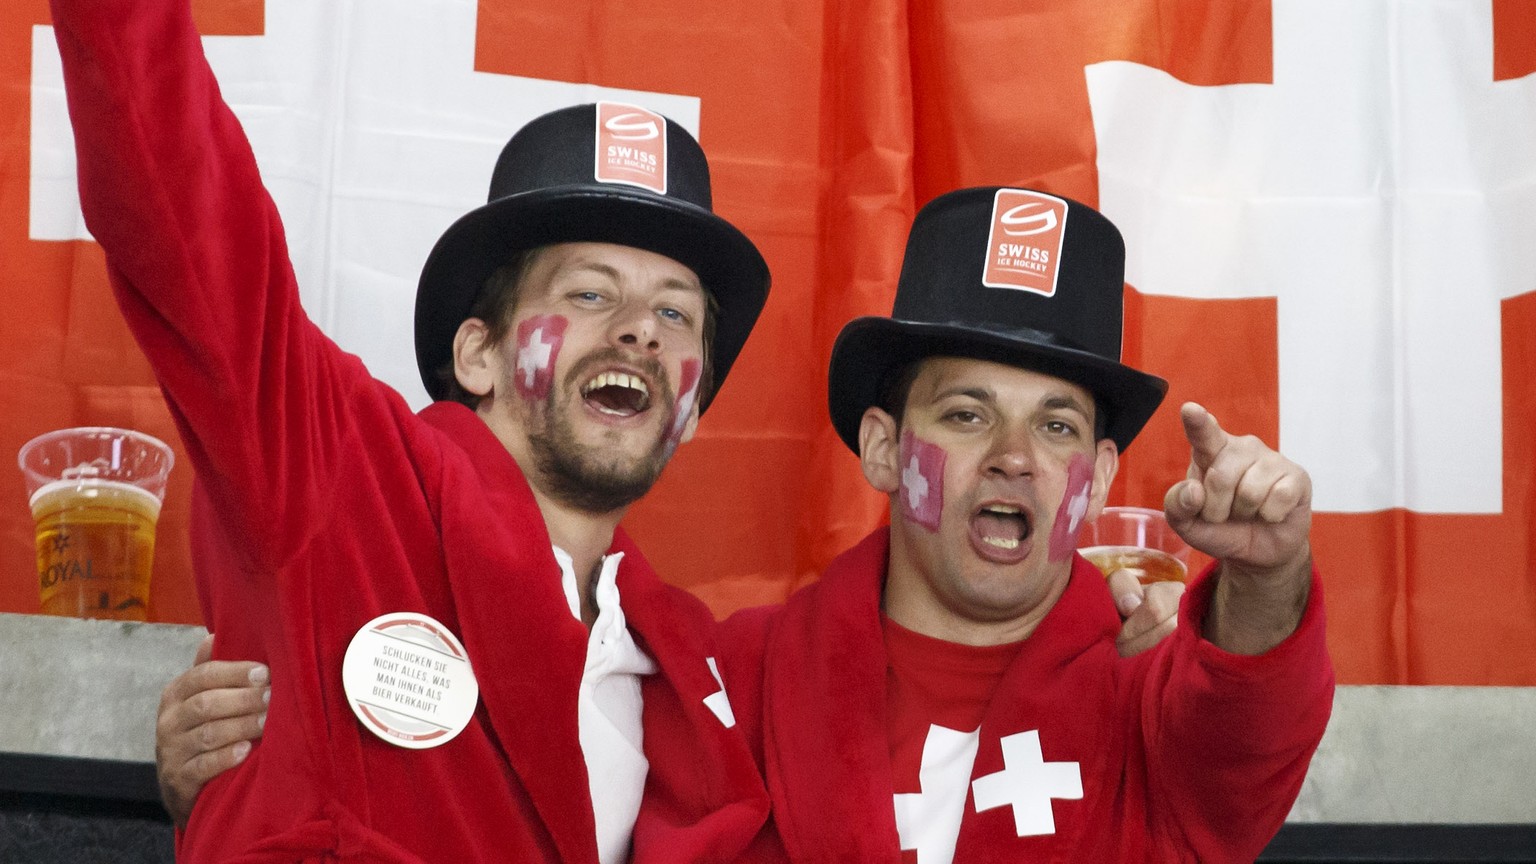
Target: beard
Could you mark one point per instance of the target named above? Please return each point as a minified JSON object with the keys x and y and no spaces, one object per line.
{"x":594,"y":478}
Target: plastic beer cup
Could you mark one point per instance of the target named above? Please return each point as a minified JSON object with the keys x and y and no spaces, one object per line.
{"x":1138,"y":539}
{"x":95,"y":496}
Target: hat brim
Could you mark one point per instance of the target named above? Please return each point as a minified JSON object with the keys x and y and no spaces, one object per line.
{"x":870,"y":349}
{"x":727,"y":263}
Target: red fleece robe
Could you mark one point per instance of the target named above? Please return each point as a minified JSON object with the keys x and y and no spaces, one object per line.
{"x":1186,"y":752}
{"x":325,"y":502}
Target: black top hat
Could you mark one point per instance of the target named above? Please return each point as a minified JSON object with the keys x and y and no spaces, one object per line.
{"x":1008,"y":275}
{"x":564,"y":179}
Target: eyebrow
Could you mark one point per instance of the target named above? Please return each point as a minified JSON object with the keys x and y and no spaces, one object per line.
{"x":612,"y":273}
{"x":582,"y":265}
{"x":980,"y":394}
{"x":1062,"y":401}
{"x":1066,"y":402}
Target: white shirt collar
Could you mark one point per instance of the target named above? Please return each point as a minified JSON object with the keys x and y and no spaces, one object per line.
{"x":607,"y":585}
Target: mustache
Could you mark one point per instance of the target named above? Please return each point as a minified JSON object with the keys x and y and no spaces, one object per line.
{"x":649,"y":367}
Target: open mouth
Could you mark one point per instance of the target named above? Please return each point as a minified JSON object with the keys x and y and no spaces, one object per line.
{"x":1001,"y":526}
{"x":617,"y":394}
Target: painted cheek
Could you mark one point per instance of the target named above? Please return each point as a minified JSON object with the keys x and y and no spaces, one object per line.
{"x":1074,"y":506}
{"x":538,"y":344}
{"x":922,"y":481}
{"x":688,"y":393}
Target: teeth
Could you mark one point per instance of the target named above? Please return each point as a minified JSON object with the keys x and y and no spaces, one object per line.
{"x":1004,"y":509}
{"x":1007,"y":543}
{"x":616,"y":379}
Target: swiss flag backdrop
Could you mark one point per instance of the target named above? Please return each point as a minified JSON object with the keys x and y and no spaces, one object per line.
{"x":1327,"y":208}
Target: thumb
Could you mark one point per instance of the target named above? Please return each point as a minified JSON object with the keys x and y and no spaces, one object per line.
{"x":1125,"y":588}
{"x":204,"y":650}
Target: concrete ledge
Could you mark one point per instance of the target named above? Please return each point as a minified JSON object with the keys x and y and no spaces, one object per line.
{"x":1461,"y":755}
{"x":86,"y":689}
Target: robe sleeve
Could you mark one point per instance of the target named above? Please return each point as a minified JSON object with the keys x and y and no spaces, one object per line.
{"x":199,"y":264}
{"x":1229,"y":738}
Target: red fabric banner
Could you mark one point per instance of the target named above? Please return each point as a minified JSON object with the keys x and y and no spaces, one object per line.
{"x":827,"y":125}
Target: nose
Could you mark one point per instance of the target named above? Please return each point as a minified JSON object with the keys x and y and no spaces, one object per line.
{"x":634,"y":327}
{"x":1012,"y":454}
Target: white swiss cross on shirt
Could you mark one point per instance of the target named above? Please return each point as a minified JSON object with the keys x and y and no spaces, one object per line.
{"x":929,"y":821}
{"x":1028,"y":783}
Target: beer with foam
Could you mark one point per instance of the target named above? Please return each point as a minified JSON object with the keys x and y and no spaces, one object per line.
{"x":95,"y":498}
{"x":95,"y":548}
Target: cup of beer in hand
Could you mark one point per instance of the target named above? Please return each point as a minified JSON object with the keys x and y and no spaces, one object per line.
{"x":1137,"y":539}
{"x":95,"y":495}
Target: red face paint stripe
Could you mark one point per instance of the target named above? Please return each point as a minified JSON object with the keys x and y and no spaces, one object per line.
{"x":688,"y":393}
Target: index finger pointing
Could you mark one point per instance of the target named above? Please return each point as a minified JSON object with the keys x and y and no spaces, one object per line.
{"x":1206,"y":438}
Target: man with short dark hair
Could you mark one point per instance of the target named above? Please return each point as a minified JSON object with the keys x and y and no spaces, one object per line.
{"x":952,"y":688}
{"x":477,"y":665}
{"x":959,"y":686}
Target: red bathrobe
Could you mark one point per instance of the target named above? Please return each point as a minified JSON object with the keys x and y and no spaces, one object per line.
{"x":1185,"y":752}
{"x":324,"y":502}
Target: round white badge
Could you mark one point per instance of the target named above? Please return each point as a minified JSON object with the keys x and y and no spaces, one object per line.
{"x":408,"y":680}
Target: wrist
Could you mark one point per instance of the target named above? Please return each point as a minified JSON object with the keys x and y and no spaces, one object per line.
{"x":1254,"y":609}
{"x":1287,"y":575}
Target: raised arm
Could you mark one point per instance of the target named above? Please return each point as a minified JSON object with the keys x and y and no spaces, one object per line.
{"x":198,"y":261}
{"x":1238,"y":700}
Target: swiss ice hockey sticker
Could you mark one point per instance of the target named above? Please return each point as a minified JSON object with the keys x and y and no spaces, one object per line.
{"x":631,"y":146}
{"x":1024,"y":247}
{"x":408,"y":680}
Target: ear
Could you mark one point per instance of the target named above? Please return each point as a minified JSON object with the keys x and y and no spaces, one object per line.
{"x":1106,"y":462}
{"x":880,"y":450}
{"x":475,"y":361}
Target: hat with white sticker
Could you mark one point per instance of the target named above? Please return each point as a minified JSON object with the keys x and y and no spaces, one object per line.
{"x":1013,"y":276}
{"x":601,"y":173}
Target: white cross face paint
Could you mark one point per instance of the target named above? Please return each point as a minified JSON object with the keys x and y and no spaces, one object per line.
{"x":538,"y":345}
{"x":687,"y":395}
{"x":922,"y":481}
{"x":1074,"y":506}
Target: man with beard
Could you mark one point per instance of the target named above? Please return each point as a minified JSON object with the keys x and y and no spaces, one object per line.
{"x":466,"y":640}
{"x":951,"y":689}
